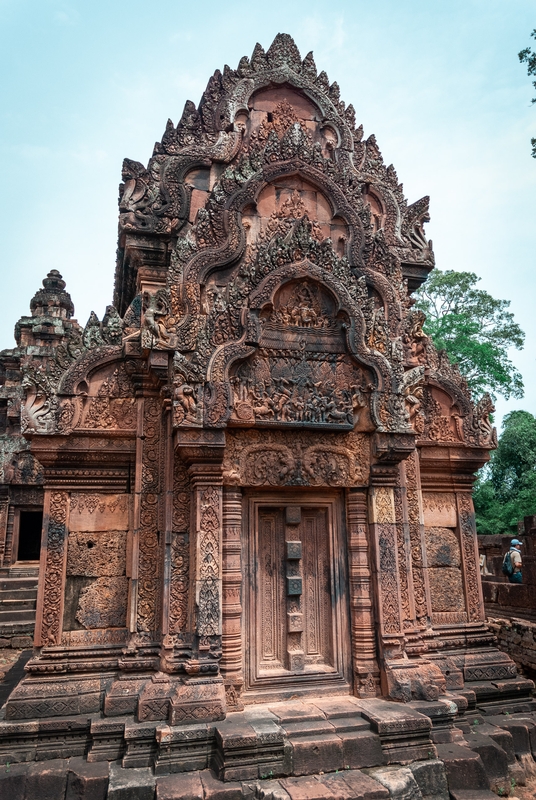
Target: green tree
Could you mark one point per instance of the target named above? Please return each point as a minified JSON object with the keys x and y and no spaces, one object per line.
{"x":528,"y":57}
{"x":505,"y":491}
{"x":475,"y":329}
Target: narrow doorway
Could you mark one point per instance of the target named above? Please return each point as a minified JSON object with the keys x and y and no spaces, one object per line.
{"x":30,"y":525}
{"x":298,"y":635}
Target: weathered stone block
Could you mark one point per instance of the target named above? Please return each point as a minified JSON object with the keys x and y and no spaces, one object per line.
{"x":306,"y":789}
{"x":464,"y":768}
{"x":446,"y":589}
{"x":47,"y":780}
{"x":361,"y":749}
{"x":103,"y":604}
{"x":131,"y":784}
{"x":183,"y":748}
{"x":87,"y":781}
{"x":122,"y":697}
{"x":217,"y":790}
{"x":21,"y":642}
{"x":431,"y":778}
{"x":400,"y":782}
{"x":198,"y":700}
{"x":186,"y":786}
{"x":13,"y":781}
{"x":439,"y":509}
{"x":99,"y":512}
{"x":442,"y":547}
{"x":96,"y":554}
{"x":314,"y":754}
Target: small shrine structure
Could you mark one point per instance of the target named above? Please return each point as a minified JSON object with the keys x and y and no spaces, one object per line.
{"x":255,"y":472}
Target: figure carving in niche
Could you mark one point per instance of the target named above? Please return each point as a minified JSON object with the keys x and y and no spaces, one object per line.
{"x":411,"y":387}
{"x":187,"y":392}
{"x":487,"y":434}
{"x":278,"y":121}
{"x":300,"y":373}
{"x":158,"y":326}
{"x":415,"y":339}
{"x":303,"y":310}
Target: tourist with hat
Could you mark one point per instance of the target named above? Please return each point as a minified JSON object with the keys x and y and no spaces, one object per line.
{"x":512,"y":562}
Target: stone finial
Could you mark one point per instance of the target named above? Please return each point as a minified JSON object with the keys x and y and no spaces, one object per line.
{"x":52,"y":300}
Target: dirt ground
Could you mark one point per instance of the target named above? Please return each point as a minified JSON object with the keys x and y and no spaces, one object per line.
{"x":8,"y":656}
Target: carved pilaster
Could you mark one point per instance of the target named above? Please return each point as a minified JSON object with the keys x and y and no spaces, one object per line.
{"x":145,"y":560}
{"x":180,"y":549}
{"x":4,"y":506}
{"x":366,"y":669}
{"x":50,"y":598}
{"x":404,"y":556}
{"x":206,"y":482}
{"x":469,"y":553}
{"x":8,"y":548}
{"x":415,"y":522}
{"x":202,"y":695}
{"x":231,"y":662}
{"x":383,"y":526}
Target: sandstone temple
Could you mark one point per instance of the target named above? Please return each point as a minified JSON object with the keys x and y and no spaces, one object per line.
{"x":248,"y":486}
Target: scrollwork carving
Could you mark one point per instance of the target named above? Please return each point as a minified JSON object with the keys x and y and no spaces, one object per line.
{"x":298,"y":459}
{"x":54,"y":569}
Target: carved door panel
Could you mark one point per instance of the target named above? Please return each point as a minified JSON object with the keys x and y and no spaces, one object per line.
{"x":297,"y":613}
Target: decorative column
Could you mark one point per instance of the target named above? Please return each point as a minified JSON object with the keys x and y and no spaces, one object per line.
{"x":144,"y":617}
{"x":366,"y":670}
{"x":4,"y":506}
{"x":383,"y":529}
{"x":207,"y":528}
{"x":52,"y":569}
{"x":202,"y":695}
{"x":231,"y":661}
{"x":419,"y":602}
{"x":10,"y":525}
{"x":470,"y":557}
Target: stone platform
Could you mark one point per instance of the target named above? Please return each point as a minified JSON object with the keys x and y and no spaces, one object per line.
{"x":341,"y":747}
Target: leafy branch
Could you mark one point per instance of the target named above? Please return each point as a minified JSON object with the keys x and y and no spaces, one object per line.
{"x":528,"y":57}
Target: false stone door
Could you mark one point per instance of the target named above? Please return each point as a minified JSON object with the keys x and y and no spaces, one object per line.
{"x":296,"y":601}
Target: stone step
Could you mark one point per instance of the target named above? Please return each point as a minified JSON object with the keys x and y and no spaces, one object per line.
{"x":15,"y":617}
{"x":13,"y":594}
{"x":7,"y":584}
{"x":17,"y":605}
{"x":21,"y":628}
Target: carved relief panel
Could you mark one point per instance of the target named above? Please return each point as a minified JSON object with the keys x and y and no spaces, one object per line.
{"x":300,"y":458}
{"x":300,"y":374}
{"x":96,"y":589}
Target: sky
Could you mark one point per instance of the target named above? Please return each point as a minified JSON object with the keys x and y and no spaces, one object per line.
{"x":86,"y":84}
